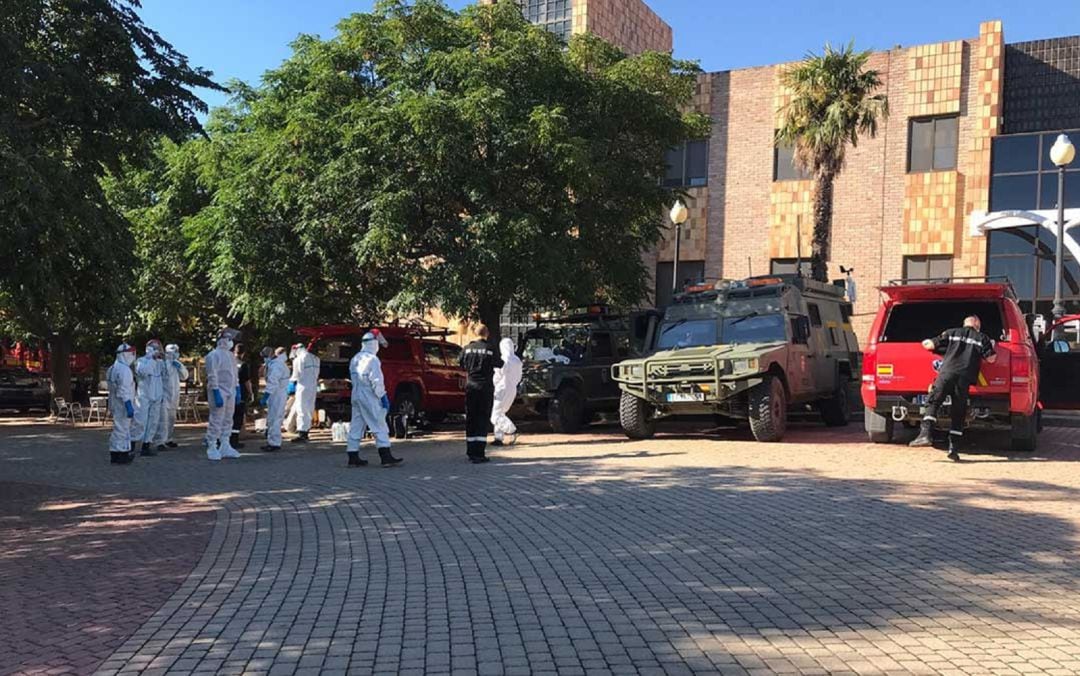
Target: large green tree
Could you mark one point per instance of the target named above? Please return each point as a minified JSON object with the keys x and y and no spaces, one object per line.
{"x":436,"y":159}
{"x":85,"y":87}
{"x":833,"y":101}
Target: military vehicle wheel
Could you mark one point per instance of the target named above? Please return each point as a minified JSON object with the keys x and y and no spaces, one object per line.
{"x":566,"y":412}
{"x":1024,"y":435}
{"x":636,"y":417}
{"x":836,"y":411}
{"x":768,"y":410}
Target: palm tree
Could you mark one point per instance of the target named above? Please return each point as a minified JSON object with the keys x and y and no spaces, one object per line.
{"x":833,"y":102}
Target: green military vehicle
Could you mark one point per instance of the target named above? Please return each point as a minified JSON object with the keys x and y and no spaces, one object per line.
{"x":752,"y":350}
{"x":567,"y":360}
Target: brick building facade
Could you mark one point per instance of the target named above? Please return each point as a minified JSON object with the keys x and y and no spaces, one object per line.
{"x":956,"y":183}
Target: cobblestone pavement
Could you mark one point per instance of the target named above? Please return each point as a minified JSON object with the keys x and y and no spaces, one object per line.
{"x":593,"y":554}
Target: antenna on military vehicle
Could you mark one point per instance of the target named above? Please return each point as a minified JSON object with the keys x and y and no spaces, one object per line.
{"x":749,"y":267}
{"x":798,"y":245}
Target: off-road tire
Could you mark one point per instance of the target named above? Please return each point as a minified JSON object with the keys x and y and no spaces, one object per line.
{"x":566,"y":412}
{"x":836,"y":410}
{"x":884,"y":437}
{"x":1024,"y":435}
{"x":406,"y":400}
{"x":768,"y":411}
{"x":636,"y":417}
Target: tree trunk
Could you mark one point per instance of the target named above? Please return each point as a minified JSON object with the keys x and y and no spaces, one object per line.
{"x":490,"y":316}
{"x":60,"y":363}
{"x":823,"y":208}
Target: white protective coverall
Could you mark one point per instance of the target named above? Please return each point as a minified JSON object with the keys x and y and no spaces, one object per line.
{"x":305,"y":373}
{"x":175,"y":373}
{"x":368,"y":392}
{"x":121,"y":383}
{"x":506,"y":381}
{"x":277,"y":380}
{"x":222,"y":378}
{"x":149,"y":374}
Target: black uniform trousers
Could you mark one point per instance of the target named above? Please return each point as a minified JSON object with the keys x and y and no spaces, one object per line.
{"x":238,"y":423}
{"x":954,"y":385}
{"x":478,"y":402}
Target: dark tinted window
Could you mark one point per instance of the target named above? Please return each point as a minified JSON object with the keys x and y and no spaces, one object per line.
{"x":815,"y":315}
{"x":1018,"y":192}
{"x":928,"y":267}
{"x":932,"y":144}
{"x":433,"y":354}
{"x":1015,"y":154}
{"x":600,"y":345}
{"x":784,"y":167}
{"x":687,"y":165}
{"x":1048,"y":191}
{"x":453,"y":352}
{"x":398,"y":350}
{"x":697,"y":163}
{"x":1048,"y":142}
{"x":915,"y":322}
{"x":1019,"y":271}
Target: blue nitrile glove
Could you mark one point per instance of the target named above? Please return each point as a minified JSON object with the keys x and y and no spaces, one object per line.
{"x":218,"y":401}
{"x":239,"y":395}
{"x":175,"y":365}
{"x":291,"y":389}
{"x":385,"y":402}
{"x":129,"y":408}
{"x":264,"y":399}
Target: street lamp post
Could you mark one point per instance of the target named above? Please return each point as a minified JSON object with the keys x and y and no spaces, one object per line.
{"x":679,"y":214}
{"x":1061,"y":154}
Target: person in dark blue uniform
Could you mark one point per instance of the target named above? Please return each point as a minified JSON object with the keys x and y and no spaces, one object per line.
{"x":479,"y":359}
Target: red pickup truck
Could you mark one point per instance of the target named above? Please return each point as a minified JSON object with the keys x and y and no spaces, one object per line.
{"x":898,"y":371}
{"x":420,"y":368}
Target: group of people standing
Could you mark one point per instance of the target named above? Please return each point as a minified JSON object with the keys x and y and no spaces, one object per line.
{"x":144,"y":395}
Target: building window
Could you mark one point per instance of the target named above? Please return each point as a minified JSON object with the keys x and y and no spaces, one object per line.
{"x":687,"y":165}
{"x":554,"y":15}
{"x":1025,"y":256}
{"x":932,"y":143}
{"x":784,"y":167}
{"x":815,"y":314}
{"x":787,"y":266}
{"x":927,"y":267}
{"x":1022,"y":177}
{"x":689,"y":273}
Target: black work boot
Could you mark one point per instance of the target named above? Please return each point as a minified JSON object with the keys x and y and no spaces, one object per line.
{"x":146,"y":450}
{"x":116,"y":458}
{"x":129,"y":458}
{"x":954,"y":447}
{"x":926,"y":435}
{"x":355,"y":460}
{"x":134,"y":447}
{"x":387,"y":459}
{"x":300,"y":437}
{"x":171,"y":444}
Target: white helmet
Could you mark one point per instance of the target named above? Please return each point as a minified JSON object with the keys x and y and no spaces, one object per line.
{"x":125,"y":353}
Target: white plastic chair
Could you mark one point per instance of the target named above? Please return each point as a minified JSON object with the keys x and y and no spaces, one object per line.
{"x":66,"y":410}
{"x":99,"y":406}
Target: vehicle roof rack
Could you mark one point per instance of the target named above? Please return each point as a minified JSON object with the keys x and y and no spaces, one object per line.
{"x":987,"y":279}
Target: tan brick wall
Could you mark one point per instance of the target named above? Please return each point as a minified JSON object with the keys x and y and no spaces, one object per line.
{"x":932,"y":212}
{"x":629,"y":24}
{"x":791,"y":219}
{"x":694,"y":230}
{"x":935,"y":78}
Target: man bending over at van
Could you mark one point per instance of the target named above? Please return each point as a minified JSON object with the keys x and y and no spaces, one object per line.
{"x":965,"y":350}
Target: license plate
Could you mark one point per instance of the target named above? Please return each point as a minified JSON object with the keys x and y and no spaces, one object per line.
{"x":920,"y":399}
{"x":685,"y":396}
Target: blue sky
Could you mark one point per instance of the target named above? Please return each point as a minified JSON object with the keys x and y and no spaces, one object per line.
{"x":243,"y":38}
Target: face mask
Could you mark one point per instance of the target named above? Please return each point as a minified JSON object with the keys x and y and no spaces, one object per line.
{"x":127,"y":358}
{"x":228,"y":344}
{"x":151,"y":351}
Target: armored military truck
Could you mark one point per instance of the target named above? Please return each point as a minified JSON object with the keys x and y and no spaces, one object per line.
{"x":746,"y":350}
{"x":567,"y":364}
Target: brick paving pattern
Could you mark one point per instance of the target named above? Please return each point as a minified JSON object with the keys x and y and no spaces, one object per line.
{"x":80,"y":572}
{"x":686,"y":554}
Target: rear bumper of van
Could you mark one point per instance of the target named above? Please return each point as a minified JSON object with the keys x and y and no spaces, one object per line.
{"x":986,"y":412}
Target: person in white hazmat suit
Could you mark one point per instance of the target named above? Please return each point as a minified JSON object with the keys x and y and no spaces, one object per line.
{"x":274,"y":396}
{"x":221,"y":393}
{"x":175,"y":373}
{"x":370,"y":404}
{"x":121,"y":383}
{"x":305,"y":374}
{"x":506,"y":381}
{"x":149,"y":374}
